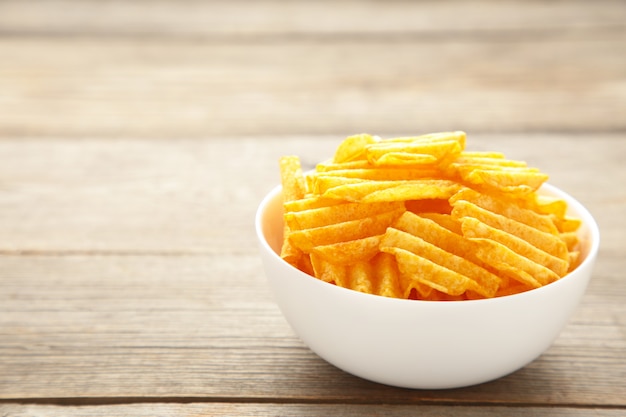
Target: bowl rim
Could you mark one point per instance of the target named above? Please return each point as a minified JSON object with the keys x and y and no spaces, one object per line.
{"x":574,"y":205}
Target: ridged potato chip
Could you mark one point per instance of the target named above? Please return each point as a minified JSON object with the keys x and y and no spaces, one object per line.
{"x":423,"y":218}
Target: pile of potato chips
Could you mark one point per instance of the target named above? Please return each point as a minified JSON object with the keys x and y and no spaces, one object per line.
{"x":421,"y":218}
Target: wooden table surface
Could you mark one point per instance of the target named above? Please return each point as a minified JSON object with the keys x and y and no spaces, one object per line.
{"x":138,"y":137}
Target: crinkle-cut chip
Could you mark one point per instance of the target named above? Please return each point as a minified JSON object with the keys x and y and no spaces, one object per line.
{"x":571,"y":240}
{"x":292,"y":178}
{"x":433,"y":205}
{"x":413,"y":289}
{"x":458,"y":136}
{"x":305,"y":265}
{"x":360,"y":275}
{"x":309,"y":203}
{"x":338,"y":213}
{"x":426,"y":189}
{"x":444,"y":220}
{"x":294,"y":188}
{"x":345,"y":253}
{"x":473,"y":228}
{"x":383,"y":174}
{"x":430,"y":273}
{"x":574,"y":260}
{"x":398,"y":159}
{"x":329,"y":272}
{"x":320,"y":184}
{"x":377,"y":191}
{"x":512,"y":180}
{"x":486,"y":283}
{"x":439,"y":235}
{"x":441,"y":296}
{"x":387,"y":275}
{"x":421,"y":151}
{"x":506,"y":207}
{"x":470,"y":155}
{"x":515,"y":288}
{"x":331,"y":166}
{"x":567,"y":224}
{"x":291,"y":254}
{"x":549,"y":205}
{"x":487,"y":161}
{"x":513,"y":264}
{"x":353,"y":148}
{"x":307,"y":239}
{"x":547,"y":242}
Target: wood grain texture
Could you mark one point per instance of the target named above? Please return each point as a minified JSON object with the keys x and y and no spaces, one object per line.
{"x":92,"y":87}
{"x":138,"y":137}
{"x":131,"y":327}
{"x":200,"y":196}
{"x":254,"y":19}
{"x":288,"y":410}
{"x":135,"y":260}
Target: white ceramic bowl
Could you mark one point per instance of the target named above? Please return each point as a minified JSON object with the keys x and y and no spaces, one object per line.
{"x":422,"y":344}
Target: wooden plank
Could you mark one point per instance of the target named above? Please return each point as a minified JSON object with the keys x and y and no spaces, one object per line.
{"x":245,"y":18}
{"x":287,"y":410}
{"x":185,"y":327}
{"x":92,"y":87}
{"x":200,"y":196}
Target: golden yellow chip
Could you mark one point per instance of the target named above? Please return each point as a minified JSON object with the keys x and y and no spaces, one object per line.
{"x":501,"y":258}
{"x":547,"y":242}
{"x":307,"y":239}
{"x":506,"y":207}
{"x":484,"y":282}
{"x":422,"y":218}
{"x":292,"y":179}
{"x":430,"y":273}
{"x":337,"y":213}
{"x":388,"y":276}
{"x":329,"y":272}
{"x":378,"y":191}
{"x":350,"y":252}
{"x":446,"y":236}
{"x":353,"y":148}
{"x":360,"y":277}
{"x":382,"y":174}
{"x":294,"y":188}
{"x":473,"y":228}
{"x":417,"y":152}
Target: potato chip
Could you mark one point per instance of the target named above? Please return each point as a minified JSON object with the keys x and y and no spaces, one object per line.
{"x":378,"y":191}
{"x":506,"y":207}
{"x":309,"y":203}
{"x":444,"y":220}
{"x":307,"y":239}
{"x":430,"y":273}
{"x":329,"y":272}
{"x":547,"y":242}
{"x":447,"y":236}
{"x":294,"y":188}
{"x":382,"y":174}
{"x":485,"y":283}
{"x":350,"y":252}
{"x":388,"y":275}
{"x":512,"y":180}
{"x":353,"y":148}
{"x":422,"y":218}
{"x":360,"y":274}
{"x":292,"y":179}
{"x":416,"y":152}
{"x":473,"y":228}
{"x":501,"y":258}
{"x":337,"y":213}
